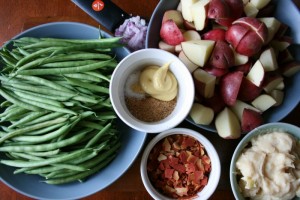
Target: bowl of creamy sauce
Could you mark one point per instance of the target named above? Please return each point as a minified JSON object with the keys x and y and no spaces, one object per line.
{"x":266,"y":164}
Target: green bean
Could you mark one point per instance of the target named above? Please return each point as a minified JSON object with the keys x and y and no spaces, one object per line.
{"x":24,"y":95}
{"x":47,"y":169}
{"x":45,"y":82}
{"x":45,"y":44}
{"x":47,"y":146}
{"x":90,"y":124}
{"x":41,"y":90}
{"x":45,"y":153}
{"x":69,"y":63}
{"x":99,"y":75}
{"x":54,"y":71}
{"x":44,"y":130}
{"x":5,"y":104}
{"x":34,"y":55}
{"x":23,"y":52}
{"x":7,"y":115}
{"x":70,"y":57}
{"x":45,"y":137}
{"x":88,"y":86}
{"x":49,"y":96}
{"x":38,"y":163}
{"x":49,"y":107}
{"x":81,"y":41}
{"x":20,"y":103}
{"x":98,"y":136}
{"x":26,"y":156}
{"x":28,"y":118}
{"x":83,"y":76}
{"x":49,"y":116}
{"x":31,"y":128}
{"x":94,"y":164}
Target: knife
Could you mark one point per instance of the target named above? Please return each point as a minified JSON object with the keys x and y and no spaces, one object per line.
{"x":111,"y":16}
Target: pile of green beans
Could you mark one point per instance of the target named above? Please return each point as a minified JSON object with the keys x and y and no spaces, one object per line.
{"x":56,"y":117}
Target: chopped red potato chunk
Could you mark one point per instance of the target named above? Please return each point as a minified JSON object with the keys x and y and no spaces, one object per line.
{"x":178,"y":166}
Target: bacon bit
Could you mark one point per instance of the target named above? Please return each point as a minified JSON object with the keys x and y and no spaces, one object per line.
{"x":161,"y":157}
{"x":192,"y":159}
{"x":190,"y":168}
{"x":206,"y":159}
{"x":178,"y":166}
{"x":176,"y":146}
{"x":169,"y":173}
{"x":200,"y":165}
{"x":166,"y":146}
{"x":176,"y":175}
{"x":181,"y":191}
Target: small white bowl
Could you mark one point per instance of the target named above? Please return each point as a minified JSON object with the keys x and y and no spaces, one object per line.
{"x":214,"y":175}
{"x":263,"y":129}
{"x":138,"y":60}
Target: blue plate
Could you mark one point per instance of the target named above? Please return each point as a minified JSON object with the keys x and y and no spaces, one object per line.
{"x":132,"y":140}
{"x":287,"y":13}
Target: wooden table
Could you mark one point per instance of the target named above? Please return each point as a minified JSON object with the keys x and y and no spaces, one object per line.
{"x":17,"y":15}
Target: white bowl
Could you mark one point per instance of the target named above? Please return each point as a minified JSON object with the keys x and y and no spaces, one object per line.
{"x":214,"y":175}
{"x":263,"y":129}
{"x":136,"y":61}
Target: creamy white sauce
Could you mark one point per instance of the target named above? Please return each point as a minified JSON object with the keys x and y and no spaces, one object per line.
{"x":270,"y":168}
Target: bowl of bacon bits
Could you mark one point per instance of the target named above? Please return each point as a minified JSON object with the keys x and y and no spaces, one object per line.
{"x":180,"y":164}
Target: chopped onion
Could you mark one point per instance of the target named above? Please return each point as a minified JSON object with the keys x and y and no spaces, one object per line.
{"x":133,"y":32}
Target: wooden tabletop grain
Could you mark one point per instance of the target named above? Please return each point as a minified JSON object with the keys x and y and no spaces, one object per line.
{"x":18,"y":15}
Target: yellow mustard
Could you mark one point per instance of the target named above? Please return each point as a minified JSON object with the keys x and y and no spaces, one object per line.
{"x":159,"y":82}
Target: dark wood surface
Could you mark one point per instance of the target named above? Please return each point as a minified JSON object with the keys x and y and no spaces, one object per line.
{"x":17,"y":15}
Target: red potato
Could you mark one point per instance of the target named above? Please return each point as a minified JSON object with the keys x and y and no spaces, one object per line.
{"x":230,"y":85}
{"x":164,"y":46}
{"x":250,"y":120}
{"x":267,"y":11}
{"x":215,"y":102}
{"x":189,"y":25}
{"x":236,"y":7}
{"x":271,"y":81}
{"x":290,"y":68}
{"x":204,"y":83}
{"x":218,"y":72}
{"x":235,"y":34}
{"x":247,"y":35}
{"x":222,"y":56}
{"x":218,"y":9}
{"x":174,"y":15}
{"x":248,"y":91}
{"x":170,"y":33}
{"x":245,"y":68}
{"x":224,"y":12}
{"x":215,"y":34}
{"x":284,"y":56}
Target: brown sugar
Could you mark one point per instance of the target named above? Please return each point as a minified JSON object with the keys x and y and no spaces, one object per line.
{"x":149,"y":109}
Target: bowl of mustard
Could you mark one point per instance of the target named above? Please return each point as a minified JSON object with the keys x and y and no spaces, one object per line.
{"x":151,"y":90}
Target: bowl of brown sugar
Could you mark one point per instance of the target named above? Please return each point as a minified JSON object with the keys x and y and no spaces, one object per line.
{"x":151,"y":90}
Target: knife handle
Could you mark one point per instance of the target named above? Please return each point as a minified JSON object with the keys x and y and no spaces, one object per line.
{"x":111,"y":16}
